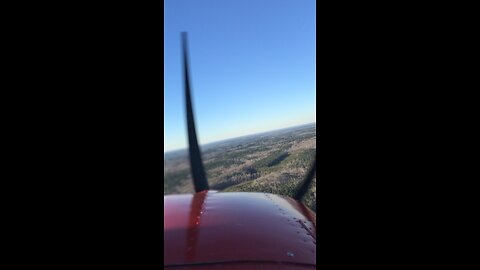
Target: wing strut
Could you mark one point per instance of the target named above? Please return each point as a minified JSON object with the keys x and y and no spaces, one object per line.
{"x":198,"y":172}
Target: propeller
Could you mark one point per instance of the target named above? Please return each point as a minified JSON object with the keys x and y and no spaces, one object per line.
{"x":200,"y":181}
{"x":305,"y":185}
{"x":196,"y":165}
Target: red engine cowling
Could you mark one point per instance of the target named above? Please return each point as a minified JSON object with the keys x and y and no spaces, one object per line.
{"x":214,"y":230}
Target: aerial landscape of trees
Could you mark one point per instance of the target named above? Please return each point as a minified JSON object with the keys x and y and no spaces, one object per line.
{"x":274,"y":163}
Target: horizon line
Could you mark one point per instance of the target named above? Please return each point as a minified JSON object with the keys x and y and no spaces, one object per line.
{"x":241,"y":136}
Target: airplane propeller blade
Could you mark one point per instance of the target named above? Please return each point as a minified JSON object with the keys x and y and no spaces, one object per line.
{"x":305,"y":185}
{"x":198,"y":172}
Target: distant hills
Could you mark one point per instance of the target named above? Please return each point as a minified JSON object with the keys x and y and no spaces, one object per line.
{"x":237,"y":140}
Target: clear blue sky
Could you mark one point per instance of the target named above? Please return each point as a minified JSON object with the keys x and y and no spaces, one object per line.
{"x":252,"y":67}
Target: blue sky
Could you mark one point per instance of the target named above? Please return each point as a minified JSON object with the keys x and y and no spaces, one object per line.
{"x":252,"y":63}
